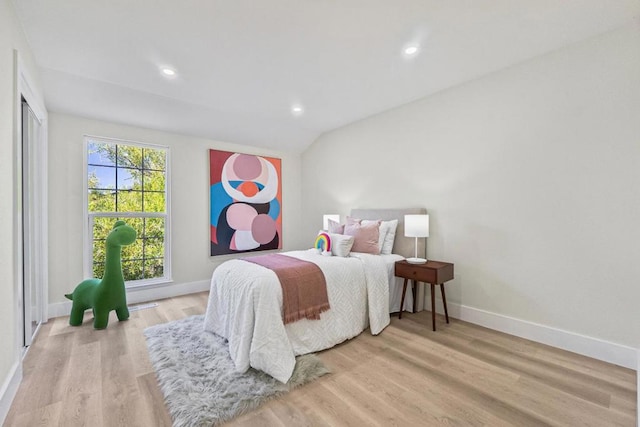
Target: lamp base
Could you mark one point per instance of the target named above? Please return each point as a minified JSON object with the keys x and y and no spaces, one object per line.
{"x":416,"y":260}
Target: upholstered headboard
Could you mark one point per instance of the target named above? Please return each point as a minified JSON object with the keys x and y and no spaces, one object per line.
{"x":404,"y":246}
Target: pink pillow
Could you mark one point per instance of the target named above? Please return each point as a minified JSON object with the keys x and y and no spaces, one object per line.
{"x":365,"y":237}
{"x":335,"y":227}
{"x":351,"y":220}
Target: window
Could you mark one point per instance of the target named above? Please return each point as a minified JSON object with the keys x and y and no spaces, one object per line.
{"x":128,"y":181}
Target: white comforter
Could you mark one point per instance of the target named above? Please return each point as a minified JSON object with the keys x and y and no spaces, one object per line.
{"x":245,"y":307}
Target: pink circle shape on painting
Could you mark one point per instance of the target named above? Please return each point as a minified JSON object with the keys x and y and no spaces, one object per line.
{"x":247,"y":167}
{"x":263,"y":229}
{"x":240,"y":216}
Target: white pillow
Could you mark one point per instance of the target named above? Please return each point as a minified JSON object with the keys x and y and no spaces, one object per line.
{"x":387,"y":234}
{"x":341,"y":244}
{"x":390,"y":237}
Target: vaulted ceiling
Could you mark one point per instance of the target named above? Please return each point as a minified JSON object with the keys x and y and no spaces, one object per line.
{"x":242,"y":64}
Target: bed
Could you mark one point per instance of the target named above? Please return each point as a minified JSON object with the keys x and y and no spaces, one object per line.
{"x":245,"y":303}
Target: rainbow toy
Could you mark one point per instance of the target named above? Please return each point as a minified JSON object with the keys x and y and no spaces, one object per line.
{"x":323,"y":242}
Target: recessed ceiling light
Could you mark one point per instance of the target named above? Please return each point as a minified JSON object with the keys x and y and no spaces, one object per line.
{"x":297,"y":110}
{"x":411,"y":50}
{"x":168,"y":72}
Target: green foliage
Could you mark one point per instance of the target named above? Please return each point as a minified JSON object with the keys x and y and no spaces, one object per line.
{"x":126,"y":178}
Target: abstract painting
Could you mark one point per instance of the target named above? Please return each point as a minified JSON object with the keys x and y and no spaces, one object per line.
{"x":246,"y":202}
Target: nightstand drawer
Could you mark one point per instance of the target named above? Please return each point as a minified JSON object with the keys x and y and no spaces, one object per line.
{"x":415,"y":272}
{"x":435,"y":272}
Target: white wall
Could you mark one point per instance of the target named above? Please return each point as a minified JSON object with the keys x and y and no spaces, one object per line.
{"x":189,"y":198}
{"x":531,"y":176}
{"x":11,"y":37}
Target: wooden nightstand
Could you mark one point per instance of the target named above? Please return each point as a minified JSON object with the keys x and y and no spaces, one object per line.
{"x":432,"y":272}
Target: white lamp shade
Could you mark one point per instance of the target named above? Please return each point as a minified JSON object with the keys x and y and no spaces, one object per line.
{"x":327,"y":217}
{"x":416,"y":225}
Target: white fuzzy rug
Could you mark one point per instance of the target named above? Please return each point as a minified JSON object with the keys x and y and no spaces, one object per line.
{"x":198,"y":380}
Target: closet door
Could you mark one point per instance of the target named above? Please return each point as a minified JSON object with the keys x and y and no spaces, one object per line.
{"x":31,"y":286}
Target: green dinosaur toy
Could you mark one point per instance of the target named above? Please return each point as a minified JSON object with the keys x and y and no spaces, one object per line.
{"x":106,"y":294}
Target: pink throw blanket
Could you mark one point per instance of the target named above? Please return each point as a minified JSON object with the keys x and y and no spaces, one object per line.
{"x":304,"y":288}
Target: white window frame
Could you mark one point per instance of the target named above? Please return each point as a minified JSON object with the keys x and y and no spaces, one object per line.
{"x":89,"y":216}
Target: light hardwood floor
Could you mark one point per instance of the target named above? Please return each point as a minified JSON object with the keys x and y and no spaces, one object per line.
{"x":460,"y":375}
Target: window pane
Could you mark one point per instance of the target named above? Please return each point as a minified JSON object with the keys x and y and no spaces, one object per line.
{"x":101,"y":177}
{"x":132,"y":270}
{"x":154,"y":227}
{"x":144,"y":257}
{"x":100,"y":153}
{"x":154,"y":159}
{"x":102,"y":201}
{"x":99,"y":252}
{"x":133,"y":251}
{"x":98,"y":270}
{"x":128,"y":179}
{"x":102,"y":226}
{"x":153,"y":248}
{"x":129,"y":156}
{"x":129,"y":201}
{"x":136,"y":223}
{"x":153,"y":268}
{"x":154,"y":202}
{"x":153,"y":181}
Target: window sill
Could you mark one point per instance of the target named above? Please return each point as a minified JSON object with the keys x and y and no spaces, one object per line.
{"x":148,"y":284}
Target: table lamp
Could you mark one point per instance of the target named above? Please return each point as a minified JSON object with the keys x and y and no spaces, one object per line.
{"x":416,"y":226}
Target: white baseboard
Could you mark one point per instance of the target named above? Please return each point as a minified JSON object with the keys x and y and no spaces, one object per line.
{"x":138,"y":295}
{"x":606,"y":351}
{"x":9,"y":390}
